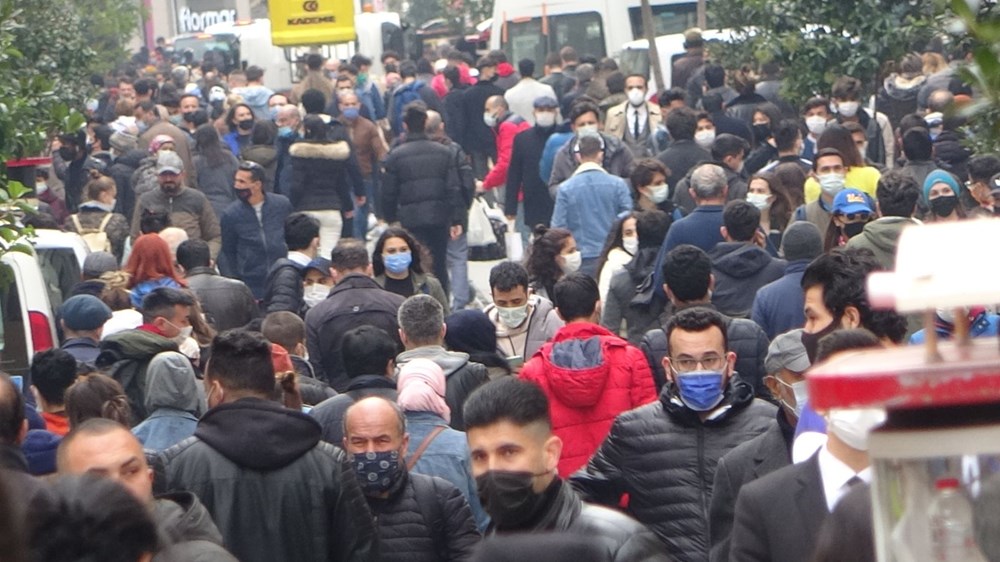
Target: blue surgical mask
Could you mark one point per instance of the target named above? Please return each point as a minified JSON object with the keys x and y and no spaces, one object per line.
{"x":285,"y":131}
{"x":377,"y":472}
{"x":397,"y":263}
{"x":351,"y":113}
{"x":272,"y":112}
{"x":700,"y":390}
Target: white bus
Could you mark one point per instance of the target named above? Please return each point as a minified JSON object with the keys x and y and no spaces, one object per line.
{"x":534,"y":28}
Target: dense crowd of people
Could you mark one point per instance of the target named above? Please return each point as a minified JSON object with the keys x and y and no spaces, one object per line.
{"x":275,"y":351}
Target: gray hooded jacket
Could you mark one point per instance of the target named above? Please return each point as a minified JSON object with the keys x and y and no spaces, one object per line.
{"x":173,"y":398}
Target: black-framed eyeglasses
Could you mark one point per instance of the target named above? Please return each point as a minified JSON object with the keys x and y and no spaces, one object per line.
{"x":687,"y":364}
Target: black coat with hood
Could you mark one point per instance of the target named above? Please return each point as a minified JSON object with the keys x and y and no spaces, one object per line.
{"x":319,"y":175}
{"x":619,"y":537}
{"x":283,"y":288}
{"x":185,"y":531}
{"x":741,"y":269}
{"x":664,"y":457}
{"x":122,"y":170}
{"x":276,"y":492}
{"x":424,"y":519}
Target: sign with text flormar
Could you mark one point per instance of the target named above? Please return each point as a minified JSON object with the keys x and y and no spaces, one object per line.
{"x":195,"y":15}
{"x":311,"y":22}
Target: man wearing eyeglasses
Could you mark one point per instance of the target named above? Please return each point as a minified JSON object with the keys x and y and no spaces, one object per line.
{"x":663,"y":455}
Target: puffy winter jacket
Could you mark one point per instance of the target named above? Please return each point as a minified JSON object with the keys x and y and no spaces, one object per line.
{"x":421,"y":187}
{"x":461,"y":376}
{"x":276,"y":492}
{"x":319,"y":175}
{"x":590,"y":376}
{"x":125,"y":356}
{"x":898,"y":96}
{"x":622,"y":539}
{"x":664,"y":457}
{"x":249,"y":245}
{"x":741,"y":269}
{"x":283,"y":288}
{"x":746,"y":339}
{"x":425,"y":518}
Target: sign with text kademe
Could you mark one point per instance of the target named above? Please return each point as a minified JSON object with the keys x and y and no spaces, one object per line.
{"x":311,"y":22}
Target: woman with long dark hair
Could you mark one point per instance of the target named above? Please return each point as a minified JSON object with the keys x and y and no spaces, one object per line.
{"x":552,"y":255}
{"x":240,"y":121}
{"x":216,"y":168}
{"x":767,"y":194}
{"x":402,"y":266}
{"x":619,"y":248}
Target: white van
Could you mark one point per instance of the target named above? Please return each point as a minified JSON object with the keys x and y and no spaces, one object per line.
{"x":27,"y":324}
{"x":532,"y":28}
{"x":240,"y":44}
{"x":634,"y":58}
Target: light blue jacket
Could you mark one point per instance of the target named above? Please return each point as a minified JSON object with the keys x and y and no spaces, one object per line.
{"x":588,"y":205}
{"x":446,"y":457}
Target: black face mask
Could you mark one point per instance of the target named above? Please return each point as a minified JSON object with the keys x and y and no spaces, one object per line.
{"x":944,"y":205}
{"x":852,"y":229}
{"x":243,"y":194}
{"x":245,"y":125}
{"x":811,"y":341}
{"x":508,"y":497}
{"x":761,"y":132}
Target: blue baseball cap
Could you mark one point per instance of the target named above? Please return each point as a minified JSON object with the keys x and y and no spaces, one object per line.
{"x":852,"y":201}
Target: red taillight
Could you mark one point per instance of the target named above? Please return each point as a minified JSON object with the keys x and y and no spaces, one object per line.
{"x":41,"y":332}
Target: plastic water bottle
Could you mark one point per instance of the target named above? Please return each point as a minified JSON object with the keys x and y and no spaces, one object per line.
{"x":952,"y":535}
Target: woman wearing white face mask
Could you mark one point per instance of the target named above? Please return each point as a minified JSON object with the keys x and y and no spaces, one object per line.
{"x":767,"y":194}
{"x":552,"y":255}
{"x":619,"y":249}
{"x":858,"y":175}
{"x":651,"y":191}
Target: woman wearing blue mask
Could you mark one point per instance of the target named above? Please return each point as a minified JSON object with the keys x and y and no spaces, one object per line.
{"x":399,"y":263}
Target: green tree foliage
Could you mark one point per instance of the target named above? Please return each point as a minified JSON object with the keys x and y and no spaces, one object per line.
{"x":35,"y":101}
{"x":818,"y":41}
{"x":107,"y":27}
{"x":982,"y":72}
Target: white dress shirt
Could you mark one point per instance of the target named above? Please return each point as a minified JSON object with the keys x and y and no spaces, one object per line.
{"x":836,"y":475}
{"x":640,"y":113}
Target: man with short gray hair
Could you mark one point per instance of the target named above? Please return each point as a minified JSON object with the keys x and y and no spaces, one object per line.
{"x":702,"y":227}
{"x":422,"y":328}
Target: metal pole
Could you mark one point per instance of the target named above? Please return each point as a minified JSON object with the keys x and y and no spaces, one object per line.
{"x":701,"y":14}
{"x":650,"y":32}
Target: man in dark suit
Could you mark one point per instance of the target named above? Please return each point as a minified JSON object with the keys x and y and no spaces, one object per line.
{"x":778,"y":517}
{"x":682,"y":154}
{"x":785,"y":364}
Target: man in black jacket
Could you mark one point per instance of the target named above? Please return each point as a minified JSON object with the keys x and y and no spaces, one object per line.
{"x":21,"y":487}
{"x":701,"y":415}
{"x":523,"y":177}
{"x":355,"y":300}
{"x":422,"y":327}
{"x":688,"y":282}
{"x":478,"y":140}
{"x":422,"y":191}
{"x":682,"y":154}
{"x":106,"y":448}
{"x":283,"y":287}
{"x":728,"y":152}
{"x":370,"y":364}
{"x":276,"y":491}
{"x":420,"y":518}
{"x":515,"y":457}
{"x":253,"y":234}
{"x":227,"y":303}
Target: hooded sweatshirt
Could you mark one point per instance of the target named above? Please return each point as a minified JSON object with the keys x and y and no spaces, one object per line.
{"x":881,"y":237}
{"x":589,"y":376}
{"x":741,"y":269}
{"x":173,"y":401}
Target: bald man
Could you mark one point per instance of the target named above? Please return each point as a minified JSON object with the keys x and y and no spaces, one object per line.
{"x":108,"y":449}
{"x":421,"y":518}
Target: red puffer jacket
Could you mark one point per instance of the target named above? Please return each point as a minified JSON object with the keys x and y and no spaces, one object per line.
{"x":589,"y":376}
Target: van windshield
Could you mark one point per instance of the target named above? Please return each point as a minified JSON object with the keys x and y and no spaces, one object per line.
{"x":220,"y":46}
{"x":667,"y":19}
{"x":583,"y":31}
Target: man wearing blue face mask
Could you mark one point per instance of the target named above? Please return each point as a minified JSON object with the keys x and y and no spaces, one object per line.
{"x":370,"y":149}
{"x":420,"y":517}
{"x":701,"y":415}
{"x":786,"y":364}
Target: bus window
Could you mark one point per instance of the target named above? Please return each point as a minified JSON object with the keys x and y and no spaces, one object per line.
{"x":584,"y":31}
{"x":667,"y":19}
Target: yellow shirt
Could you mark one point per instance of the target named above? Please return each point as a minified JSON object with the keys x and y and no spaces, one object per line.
{"x":864,"y":178}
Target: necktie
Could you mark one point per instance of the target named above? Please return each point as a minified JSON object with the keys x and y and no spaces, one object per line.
{"x":854,"y":481}
{"x":635,"y":116}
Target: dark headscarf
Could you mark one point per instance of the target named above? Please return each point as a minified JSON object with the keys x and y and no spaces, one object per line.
{"x":470,"y":331}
